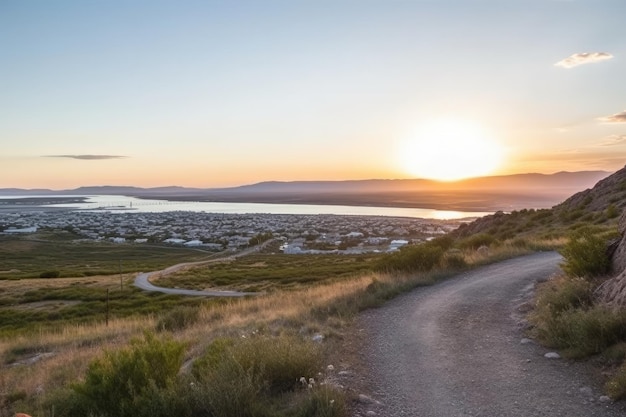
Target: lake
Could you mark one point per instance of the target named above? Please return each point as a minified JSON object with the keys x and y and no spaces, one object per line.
{"x":124,"y":204}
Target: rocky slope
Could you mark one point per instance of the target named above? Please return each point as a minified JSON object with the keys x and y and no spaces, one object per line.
{"x":613,"y":291}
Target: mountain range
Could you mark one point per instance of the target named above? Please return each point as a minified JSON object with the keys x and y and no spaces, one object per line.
{"x":492,"y":193}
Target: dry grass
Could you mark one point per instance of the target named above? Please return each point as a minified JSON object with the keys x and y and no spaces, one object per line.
{"x":323,"y":308}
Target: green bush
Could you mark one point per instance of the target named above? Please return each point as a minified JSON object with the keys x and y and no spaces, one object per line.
{"x":616,"y":385}
{"x":563,"y":294}
{"x":414,"y":258}
{"x":50,"y":274}
{"x":584,"y":332}
{"x":239,"y":377}
{"x":585,"y":255}
{"x":323,"y":401}
{"x":476,"y":241}
{"x":179,"y":318}
{"x":454,"y":261}
{"x":135,"y":381}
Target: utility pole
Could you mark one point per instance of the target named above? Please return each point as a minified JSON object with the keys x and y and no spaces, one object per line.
{"x":107,"y":319}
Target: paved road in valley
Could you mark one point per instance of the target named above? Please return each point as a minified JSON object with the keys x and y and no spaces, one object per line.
{"x":455,"y":349}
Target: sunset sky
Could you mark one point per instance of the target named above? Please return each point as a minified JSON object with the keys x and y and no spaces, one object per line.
{"x":218,"y":93}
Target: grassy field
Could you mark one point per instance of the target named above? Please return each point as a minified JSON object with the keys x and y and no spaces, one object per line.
{"x":28,"y":256}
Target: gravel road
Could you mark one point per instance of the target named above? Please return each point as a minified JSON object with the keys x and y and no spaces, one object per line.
{"x":455,"y":349}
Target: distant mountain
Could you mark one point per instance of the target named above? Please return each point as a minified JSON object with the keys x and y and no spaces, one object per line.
{"x":506,"y":192}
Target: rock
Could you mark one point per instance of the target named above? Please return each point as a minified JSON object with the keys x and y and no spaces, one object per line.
{"x":605,"y":399}
{"x":344,"y":373}
{"x":586,"y":391}
{"x":22,"y":415}
{"x":330,"y":368}
{"x":364,"y":399}
{"x":552,"y":355}
{"x":319,"y":338}
{"x":371,"y":413}
{"x":525,"y":341}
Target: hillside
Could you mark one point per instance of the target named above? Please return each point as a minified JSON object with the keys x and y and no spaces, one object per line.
{"x":599,"y":206}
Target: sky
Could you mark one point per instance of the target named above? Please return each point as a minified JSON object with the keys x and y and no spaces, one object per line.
{"x":221,"y":93}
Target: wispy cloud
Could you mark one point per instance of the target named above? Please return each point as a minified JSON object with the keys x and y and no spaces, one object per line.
{"x":614,"y":118}
{"x":87,"y":157}
{"x":614,"y":140}
{"x":583,"y":58}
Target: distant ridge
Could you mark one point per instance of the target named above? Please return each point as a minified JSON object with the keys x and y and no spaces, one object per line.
{"x":504,"y":192}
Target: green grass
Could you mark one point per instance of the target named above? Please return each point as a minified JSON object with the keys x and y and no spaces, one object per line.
{"x":29,"y":256}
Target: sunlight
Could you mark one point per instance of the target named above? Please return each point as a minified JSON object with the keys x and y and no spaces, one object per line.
{"x":449,"y":150}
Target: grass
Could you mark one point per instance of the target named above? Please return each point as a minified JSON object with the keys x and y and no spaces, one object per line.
{"x":28,"y":256}
{"x":324,"y":294}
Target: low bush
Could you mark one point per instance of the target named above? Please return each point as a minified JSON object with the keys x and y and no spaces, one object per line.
{"x":133,"y":382}
{"x":413,"y":258}
{"x":584,"y":332}
{"x":178,"y":319}
{"x":476,"y":241}
{"x":50,"y":274}
{"x":616,"y":385}
{"x":240,"y":377}
{"x":585,"y":255}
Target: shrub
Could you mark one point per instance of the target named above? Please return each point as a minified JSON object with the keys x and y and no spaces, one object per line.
{"x":612,"y":211}
{"x":585,"y":255}
{"x":177,"y":319}
{"x":323,"y":401}
{"x":476,"y":241}
{"x":129,"y":381}
{"x":454,"y":261}
{"x":414,"y":258}
{"x":616,"y":385}
{"x":238,"y":377}
{"x":562,"y":294}
{"x":584,"y":332}
{"x":50,"y":274}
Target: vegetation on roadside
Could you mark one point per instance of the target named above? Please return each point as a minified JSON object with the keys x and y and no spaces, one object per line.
{"x":567,"y":315}
{"x":66,"y":361}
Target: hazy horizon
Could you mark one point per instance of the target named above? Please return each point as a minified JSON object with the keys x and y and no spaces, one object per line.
{"x":221,"y":94}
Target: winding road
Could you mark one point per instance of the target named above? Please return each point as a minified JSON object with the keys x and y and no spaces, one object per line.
{"x":458,"y":349}
{"x":142,"y":280}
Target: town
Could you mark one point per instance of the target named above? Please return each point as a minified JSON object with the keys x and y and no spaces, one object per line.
{"x":298,"y":234}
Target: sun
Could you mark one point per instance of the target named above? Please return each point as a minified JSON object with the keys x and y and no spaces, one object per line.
{"x":449,"y":150}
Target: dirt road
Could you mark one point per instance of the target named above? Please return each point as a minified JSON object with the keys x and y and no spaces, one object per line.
{"x":142,"y":280}
{"x":457,"y":349}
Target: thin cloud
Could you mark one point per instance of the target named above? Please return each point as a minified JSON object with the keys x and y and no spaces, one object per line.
{"x":614,"y":118}
{"x":583,"y":58}
{"x":614,"y":140}
{"x":87,"y":157}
